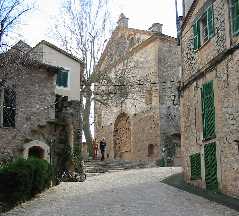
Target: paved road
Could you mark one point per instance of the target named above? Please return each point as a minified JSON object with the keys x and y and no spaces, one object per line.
{"x":125,"y":193}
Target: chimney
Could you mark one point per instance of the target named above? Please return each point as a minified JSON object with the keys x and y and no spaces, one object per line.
{"x":156,"y":27}
{"x":123,"y":21}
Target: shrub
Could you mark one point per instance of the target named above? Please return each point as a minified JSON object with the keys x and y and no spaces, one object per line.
{"x":22,"y":179}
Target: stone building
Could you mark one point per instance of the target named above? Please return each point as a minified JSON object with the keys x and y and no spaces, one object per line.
{"x":39,"y":112}
{"x":146,"y":123}
{"x":27,"y":95}
{"x":210,"y":95}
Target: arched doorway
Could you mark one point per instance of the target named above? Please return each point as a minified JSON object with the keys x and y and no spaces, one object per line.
{"x":36,"y":151}
{"x":122,"y":135}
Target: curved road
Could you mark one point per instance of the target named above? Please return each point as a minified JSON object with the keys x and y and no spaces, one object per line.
{"x":125,"y":193}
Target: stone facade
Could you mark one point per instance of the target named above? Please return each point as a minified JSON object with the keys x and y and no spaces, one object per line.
{"x":137,"y":128}
{"x":44,"y":126}
{"x":33,"y":84}
{"x":217,"y":61}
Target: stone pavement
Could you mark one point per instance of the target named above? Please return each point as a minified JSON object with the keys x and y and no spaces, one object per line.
{"x":131,"y":193}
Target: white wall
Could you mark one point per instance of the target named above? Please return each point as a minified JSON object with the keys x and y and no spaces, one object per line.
{"x":56,"y":58}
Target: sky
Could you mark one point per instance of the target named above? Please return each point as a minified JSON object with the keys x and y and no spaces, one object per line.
{"x":141,"y":13}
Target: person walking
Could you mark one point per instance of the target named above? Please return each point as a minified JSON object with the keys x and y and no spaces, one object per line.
{"x":102,"y":148}
{"x":95,"y":148}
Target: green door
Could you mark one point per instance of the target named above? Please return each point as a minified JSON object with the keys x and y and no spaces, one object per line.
{"x":211,"y":166}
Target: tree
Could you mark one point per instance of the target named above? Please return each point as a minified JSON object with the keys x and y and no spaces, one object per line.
{"x":10,"y":13}
{"x":83,"y":32}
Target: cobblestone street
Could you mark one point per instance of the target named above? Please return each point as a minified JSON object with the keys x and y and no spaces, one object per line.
{"x":131,"y":193}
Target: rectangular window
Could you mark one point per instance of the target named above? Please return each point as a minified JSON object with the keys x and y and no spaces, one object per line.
{"x":62,"y":78}
{"x":7,"y":107}
{"x":203,"y":28}
{"x":208,"y":110}
{"x":235,"y":16}
{"x":195,"y":161}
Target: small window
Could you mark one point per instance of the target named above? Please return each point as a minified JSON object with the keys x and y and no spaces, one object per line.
{"x":203,"y":29}
{"x":235,"y":16}
{"x":7,"y":107}
{"x":195,"y":161}
{"x":62,"y":78}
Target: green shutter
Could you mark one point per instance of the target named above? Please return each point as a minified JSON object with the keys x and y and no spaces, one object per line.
{"x":210,"y":159}
{"x":58,"y":78}
{"x":195,"y":160}
{"x":196,"y":35}
{"x":235,"y":16}
{"x":210,"y":22}
{"x":208,"y":110}
{"x":64,"y":78}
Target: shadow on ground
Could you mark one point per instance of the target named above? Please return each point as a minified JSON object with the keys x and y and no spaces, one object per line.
{"x":178,"y":182}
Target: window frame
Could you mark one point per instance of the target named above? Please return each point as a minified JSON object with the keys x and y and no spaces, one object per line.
{"x":198,"y":38}
{"x":232,"y":18}
{"x":63,"y":70}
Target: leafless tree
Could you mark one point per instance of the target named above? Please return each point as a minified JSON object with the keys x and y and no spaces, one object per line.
{"x":83,"y":32}
{"x":11,"y":12}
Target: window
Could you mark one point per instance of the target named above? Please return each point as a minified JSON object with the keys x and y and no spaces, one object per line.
{"x":208,"y":110}
{"x":7,"y":107}
{"x":203,"y":28}
{"x":62,"y":78}
{"x":235,"y":16}
{"x":195,"y":161}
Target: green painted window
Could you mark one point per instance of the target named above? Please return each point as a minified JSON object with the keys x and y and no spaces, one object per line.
{"x":195,"y":160}
{"x":62,"y":78}
{"x":208,"y":110}
{"x":203,"y":28}
{"x":235,"y":16}
{"x":196,"y":35}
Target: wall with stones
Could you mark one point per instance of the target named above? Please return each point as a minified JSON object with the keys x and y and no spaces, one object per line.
{"x":225,"y":76}
{"x":157,"y":62}
{"x":196,"y":60}
{"x":35,"y":99}
{"x":169,"y":76}
{"x":142,"y":116}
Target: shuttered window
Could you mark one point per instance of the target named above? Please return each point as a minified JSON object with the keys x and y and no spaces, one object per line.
{"x":196,"y":35}
{"x":195,"y":161}
{"x":203,"y":28}
{"x":235,"y":16}
{"x":62,"y":78}
{"x":208,"y":110}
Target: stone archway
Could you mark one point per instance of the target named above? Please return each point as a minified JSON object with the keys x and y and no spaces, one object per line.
{"x":38,"y":149}
{"x":122,"y":135}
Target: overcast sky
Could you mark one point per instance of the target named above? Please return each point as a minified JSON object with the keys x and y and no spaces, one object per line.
{"x":141,"y":13}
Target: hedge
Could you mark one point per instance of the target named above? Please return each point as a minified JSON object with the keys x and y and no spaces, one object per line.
{"x":22,"y":179}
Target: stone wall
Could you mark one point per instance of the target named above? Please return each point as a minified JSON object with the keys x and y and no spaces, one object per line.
{"x":154,"y":90}
{"x":213,"y":62}
{"x":169,"y":76}
{"x":35,"y":98}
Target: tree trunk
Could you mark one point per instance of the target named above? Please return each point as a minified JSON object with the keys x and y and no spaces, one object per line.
{"x":77,"y":149}
{"x":86,"y":121}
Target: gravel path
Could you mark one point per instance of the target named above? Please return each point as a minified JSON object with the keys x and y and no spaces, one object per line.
{"x":124,"y":193}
